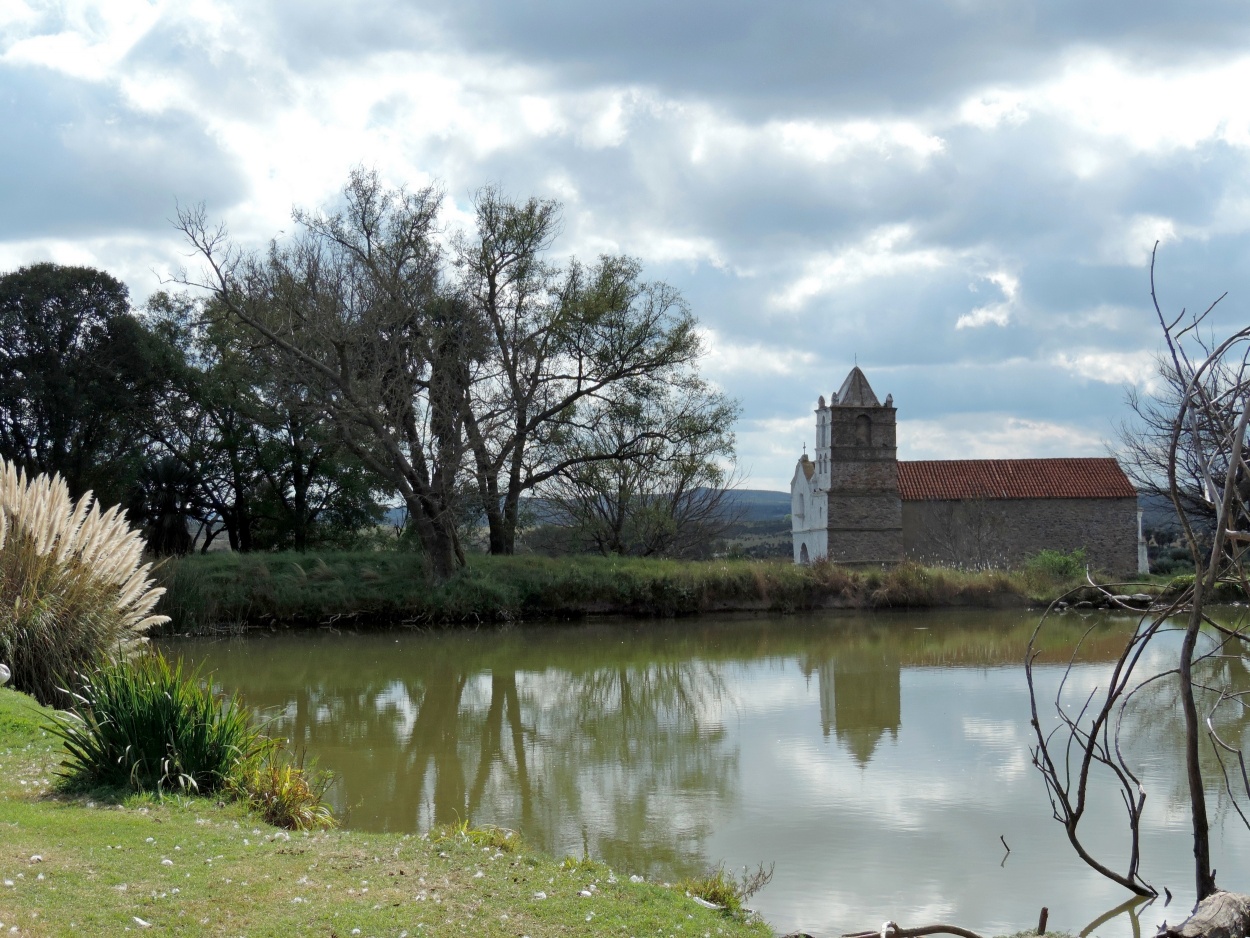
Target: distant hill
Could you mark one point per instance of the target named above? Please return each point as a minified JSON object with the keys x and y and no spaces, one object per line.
{"x":755,"y":505}
{"x":760,"y":504}
{"x":761,"y":527}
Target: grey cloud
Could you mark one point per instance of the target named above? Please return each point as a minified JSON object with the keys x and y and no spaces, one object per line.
{"x":78,"y":162}
{"x":84,"y":162}
{"x":805,"y":56}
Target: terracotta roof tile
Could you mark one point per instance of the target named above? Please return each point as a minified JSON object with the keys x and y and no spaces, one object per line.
{"x":932,"y":480}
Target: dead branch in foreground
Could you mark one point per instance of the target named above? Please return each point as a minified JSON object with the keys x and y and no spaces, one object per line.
{"x":893,"y":930}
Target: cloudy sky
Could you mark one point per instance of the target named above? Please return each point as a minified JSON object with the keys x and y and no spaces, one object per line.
{"x":962,"y":195}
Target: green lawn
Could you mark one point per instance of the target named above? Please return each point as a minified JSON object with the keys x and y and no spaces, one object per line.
{"x":101,"y":865}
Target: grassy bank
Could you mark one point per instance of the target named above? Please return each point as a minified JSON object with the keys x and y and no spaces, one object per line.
{"x":97,"y":865}
{"x":367,"y":588}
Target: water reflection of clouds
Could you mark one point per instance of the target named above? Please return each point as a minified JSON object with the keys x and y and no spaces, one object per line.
{"x":394,"y":700}
{"x":874,"y":767}
{"x":1006,"y":740}
{"x":914,"y":831}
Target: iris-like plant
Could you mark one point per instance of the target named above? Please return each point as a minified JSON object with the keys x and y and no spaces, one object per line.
{"x":73,"y":587}
{"x":143,"y":724}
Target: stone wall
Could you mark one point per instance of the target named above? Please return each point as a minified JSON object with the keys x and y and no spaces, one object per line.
{"x":865,"y":519}
{"x":865,"y":513}
{"x":999,"y":533}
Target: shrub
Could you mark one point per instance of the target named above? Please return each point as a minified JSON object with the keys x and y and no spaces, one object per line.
{"x":72,"y":585}
{"x":285,"y":793}
{"x":145,"y":725}
{"x":1055,"y":566}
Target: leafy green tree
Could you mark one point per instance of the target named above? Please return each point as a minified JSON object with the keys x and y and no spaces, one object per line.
{"x":565,"y":346}
{"x":269,"y":467}
{"x":352,"y":306}
{"x":489,"y":373}
{"x":80,"y":377}
{"x":667,"y":497}
{"x":163,"y":503}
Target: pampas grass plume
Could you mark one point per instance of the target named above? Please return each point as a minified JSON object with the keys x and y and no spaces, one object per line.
{"x":73,"y":585}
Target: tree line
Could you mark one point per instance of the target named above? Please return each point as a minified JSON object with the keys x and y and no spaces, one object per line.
{"x":284,"y":397}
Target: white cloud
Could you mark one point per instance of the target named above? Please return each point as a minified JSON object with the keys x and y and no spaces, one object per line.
{"x":827,"y":141}
{"x":769,"y":447}
{"x":994,"y":436}
{"x":724,"y":358}
{"x":14,"y":15}
{"x":93,"y":40}
{"x":993,"y":314}
{"x":876,"y":213}
{"x":1130,"y":241}
{"x":992,"y":108}
{"x":1139,"y":368}
{"x":137,"y":261}
{"x":1145,"y":106}
{"x":883,"y":252}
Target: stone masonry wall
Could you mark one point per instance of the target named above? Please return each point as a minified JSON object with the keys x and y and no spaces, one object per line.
{"x":997,"y":533}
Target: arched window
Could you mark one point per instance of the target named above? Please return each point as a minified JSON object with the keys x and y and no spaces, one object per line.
{"x":803,"y":556}
{"x":863,"y":430}
{"x":802,"y":510}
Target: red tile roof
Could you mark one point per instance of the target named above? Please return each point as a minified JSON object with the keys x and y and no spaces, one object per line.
{"x":932,"y":480}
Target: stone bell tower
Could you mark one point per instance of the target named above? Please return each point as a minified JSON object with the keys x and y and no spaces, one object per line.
{"x":857,"y":464}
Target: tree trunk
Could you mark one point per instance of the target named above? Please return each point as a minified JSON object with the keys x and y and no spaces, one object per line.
{"x":1219,"y":915}
{"x":495,"y":521}
{"x":511,"y":511}
{"x":1203,"y":880}
{"x":438,"y":540}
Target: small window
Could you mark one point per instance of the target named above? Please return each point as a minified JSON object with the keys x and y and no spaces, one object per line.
{"x":863,"y":430}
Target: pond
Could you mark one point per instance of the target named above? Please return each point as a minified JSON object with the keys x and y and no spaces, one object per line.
{"x":879,"y":761}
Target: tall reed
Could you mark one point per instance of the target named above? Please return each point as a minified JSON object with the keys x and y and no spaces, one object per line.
{"x":73,"y":586}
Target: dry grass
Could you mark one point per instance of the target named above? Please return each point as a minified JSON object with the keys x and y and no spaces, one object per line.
{"x":73,"y":586}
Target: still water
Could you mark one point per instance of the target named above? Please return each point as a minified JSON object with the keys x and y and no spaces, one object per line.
{"x":879,"y":761}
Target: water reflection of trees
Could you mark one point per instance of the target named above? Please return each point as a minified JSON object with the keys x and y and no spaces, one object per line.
{"x":1153,"y":722}
{"x":604,"y":737}
{"x":638,"y":751}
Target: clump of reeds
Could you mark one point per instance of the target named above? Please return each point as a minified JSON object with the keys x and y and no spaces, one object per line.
{"x":283,"y":791}
{"x":143,"y":724}
{"x":730,"y":892}
{"x":73,"y":587}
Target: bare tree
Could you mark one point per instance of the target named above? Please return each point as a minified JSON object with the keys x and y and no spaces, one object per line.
{"x":1201,"y":451}
{"x":1145,"y":444}
{"x":352,"y":306}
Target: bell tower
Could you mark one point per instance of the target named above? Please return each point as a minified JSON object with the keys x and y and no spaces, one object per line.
{"x":860,"y":450}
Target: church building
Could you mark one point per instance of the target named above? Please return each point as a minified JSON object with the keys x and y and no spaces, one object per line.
{"x":856,"y":503}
